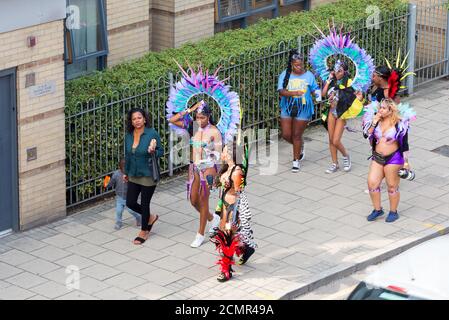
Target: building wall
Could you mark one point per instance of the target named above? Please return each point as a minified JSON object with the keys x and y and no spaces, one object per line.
{"x":176,"y":22}
{"x":40,"y":121}
{"x":195,"y":20}
{"x":317,"y":3}
{"x":129,"y":26}
{"x":163,"y":26}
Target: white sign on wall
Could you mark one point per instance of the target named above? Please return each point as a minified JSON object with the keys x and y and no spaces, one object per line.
{"x":42,"y":89}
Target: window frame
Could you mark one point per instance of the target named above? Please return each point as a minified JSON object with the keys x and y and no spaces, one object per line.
{"x":71,"y":58}
{"x":283,"y":3}
{"x":248,"y":11}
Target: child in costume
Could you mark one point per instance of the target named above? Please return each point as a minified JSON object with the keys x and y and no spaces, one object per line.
{"x":235,"y":235}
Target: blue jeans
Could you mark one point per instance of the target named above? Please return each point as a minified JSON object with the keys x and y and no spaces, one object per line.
{"x":120,"y":205}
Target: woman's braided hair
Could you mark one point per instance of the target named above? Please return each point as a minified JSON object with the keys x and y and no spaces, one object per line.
{"x":293,"y":52}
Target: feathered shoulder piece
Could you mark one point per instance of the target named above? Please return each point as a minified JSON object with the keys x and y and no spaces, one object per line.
{"x":398,"y":73}
{"x":245,"y":160}
{"x":406,"y":115}
{"x":370,"y":111}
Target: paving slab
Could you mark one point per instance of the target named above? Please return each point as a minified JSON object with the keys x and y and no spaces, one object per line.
{"x":310,"y":227}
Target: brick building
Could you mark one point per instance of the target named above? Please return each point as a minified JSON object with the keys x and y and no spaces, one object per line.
{"x":44,"y":43}
{"x":32,"y":155}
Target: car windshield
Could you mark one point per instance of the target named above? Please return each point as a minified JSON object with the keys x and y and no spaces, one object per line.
{"x":366,"y":292}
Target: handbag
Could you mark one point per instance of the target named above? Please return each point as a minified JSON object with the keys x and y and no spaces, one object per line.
{"x":155,"y":170}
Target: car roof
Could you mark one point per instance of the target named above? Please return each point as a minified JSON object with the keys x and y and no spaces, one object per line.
{"x":421,"y":271}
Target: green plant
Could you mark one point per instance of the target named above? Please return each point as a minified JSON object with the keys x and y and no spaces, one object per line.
{"x":252,"y":58}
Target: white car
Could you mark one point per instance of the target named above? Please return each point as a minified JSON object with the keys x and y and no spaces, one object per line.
{"x":420,"y":273}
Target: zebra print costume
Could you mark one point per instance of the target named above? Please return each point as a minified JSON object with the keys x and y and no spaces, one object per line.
{"x":245,"y":231}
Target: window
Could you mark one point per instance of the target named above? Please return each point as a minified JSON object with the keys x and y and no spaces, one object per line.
{"x":288,"y":2}
{"x":367,"y":292}
{"x":86,"y":45}
{"x":231,"y":14}
{"x":230,"y":10}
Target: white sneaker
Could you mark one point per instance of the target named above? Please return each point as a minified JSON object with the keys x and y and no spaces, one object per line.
{"x":214,"y":224}
{"x":332,"y":168}
{"x":296,"y":166}
{"x":199,"y":239}
{"x":347,"y":163}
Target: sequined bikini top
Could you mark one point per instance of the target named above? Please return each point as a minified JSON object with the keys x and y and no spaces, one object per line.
{"x":390,"y":135}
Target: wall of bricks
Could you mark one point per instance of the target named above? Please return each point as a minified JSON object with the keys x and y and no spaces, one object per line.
{"x":129,"y":28}
{"x":176,"y":22}
{"x":39,"y":198}
{"x":129,"y":44}
{"x":14,"y":51}
{"x":194,"y":23}
{"x":40,"y":121}
{"x":163,"y":30}
{"x":163,"y":24}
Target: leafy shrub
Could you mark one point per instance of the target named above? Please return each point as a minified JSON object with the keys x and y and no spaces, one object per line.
{"x":252,"y":59}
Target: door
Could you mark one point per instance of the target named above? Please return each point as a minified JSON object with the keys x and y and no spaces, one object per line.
{"x":9,"y":215}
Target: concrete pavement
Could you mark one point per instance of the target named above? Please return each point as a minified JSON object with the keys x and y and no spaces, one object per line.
{"x":311,"y":229}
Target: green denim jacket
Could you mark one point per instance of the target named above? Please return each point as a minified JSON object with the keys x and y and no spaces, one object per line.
{"x":137,"y":163}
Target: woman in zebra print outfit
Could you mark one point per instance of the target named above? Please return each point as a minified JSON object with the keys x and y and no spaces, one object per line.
{"x":234,"y":235}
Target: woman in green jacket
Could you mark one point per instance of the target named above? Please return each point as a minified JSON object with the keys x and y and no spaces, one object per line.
{"x":140,"y":142}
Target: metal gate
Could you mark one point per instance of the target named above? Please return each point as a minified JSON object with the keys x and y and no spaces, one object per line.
{"x":429,"y":19}
{"x":94,"y":146}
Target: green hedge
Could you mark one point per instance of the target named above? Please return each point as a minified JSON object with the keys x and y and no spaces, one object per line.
{"x":211,"y":51}
{"x":252,"y":59}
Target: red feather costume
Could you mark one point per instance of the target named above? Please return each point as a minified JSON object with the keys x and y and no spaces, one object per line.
{"x":229,"y":242}
{"x":394,"y":83}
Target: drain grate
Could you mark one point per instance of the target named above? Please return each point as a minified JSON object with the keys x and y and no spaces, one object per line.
{"x":443,"y":150}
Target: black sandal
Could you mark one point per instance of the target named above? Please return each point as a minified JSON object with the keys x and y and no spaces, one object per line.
{"x":245,"y":256}
{"x":141,"y":241}
{"x":222,"y":277}
{"x":151,"y":225}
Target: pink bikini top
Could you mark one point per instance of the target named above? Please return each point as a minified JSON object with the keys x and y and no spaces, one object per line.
{"x":389,"y":137}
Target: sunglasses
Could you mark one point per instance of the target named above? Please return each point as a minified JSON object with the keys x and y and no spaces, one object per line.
{"x":296,"y":56}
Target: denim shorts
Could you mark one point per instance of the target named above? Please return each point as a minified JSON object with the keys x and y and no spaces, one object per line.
{"x":301,"y":114}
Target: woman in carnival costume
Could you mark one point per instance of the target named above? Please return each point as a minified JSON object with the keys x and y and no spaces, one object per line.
{"x":235,"y":236}
{"x":387,"y":80}
{"x":386,"y":125}
{"x":345,"y":95}
{"x":206,"y":138}
{"x":295,"y":85}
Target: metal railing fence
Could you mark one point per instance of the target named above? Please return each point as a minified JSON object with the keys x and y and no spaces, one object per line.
{"x":95,"y":132}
